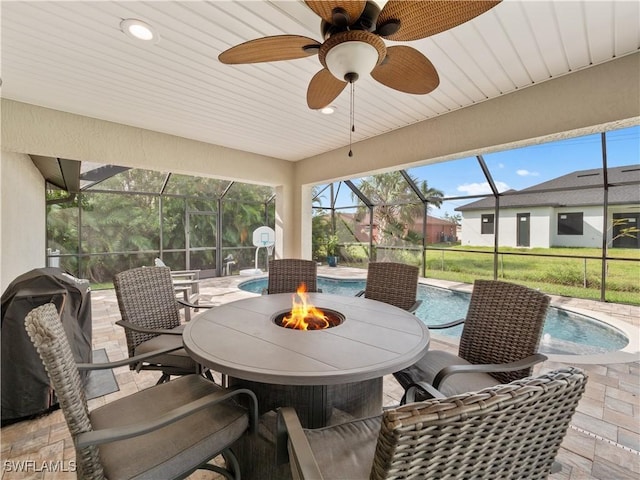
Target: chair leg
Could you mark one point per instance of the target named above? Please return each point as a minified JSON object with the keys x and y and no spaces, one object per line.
{"x":232,"y":462}
{"x":164,"y":378}
{"x":232,"y":472}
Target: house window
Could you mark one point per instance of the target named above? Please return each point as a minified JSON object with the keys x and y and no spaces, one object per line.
{"x":487,"y":224}
{"x":570,"y":223}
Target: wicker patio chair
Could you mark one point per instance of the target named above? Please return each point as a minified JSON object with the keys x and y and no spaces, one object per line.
{"x":166,"y":431}
{"x":392,"y":283}
{"x":286,"y":275}
{"x":499,"y":343}
{"x":151,"y":319}
{"x":508,"y":431}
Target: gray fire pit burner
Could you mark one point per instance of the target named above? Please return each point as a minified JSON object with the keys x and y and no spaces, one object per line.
{"x":331,"y":319}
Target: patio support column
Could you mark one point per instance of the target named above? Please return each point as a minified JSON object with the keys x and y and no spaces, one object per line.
{"x":287,"y":222}
{"x":304,"y":228}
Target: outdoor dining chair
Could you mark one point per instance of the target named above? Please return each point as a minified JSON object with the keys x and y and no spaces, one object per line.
{"x":151,"y":319}
{"x":392,"y":283}
{"x":509,"y":431}
{"x":286,"y":275}
{"x":498,"y":344}
{"x":166,"y":431}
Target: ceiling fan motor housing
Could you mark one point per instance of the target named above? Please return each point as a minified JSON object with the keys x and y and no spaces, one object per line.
{"x":366,"y":21}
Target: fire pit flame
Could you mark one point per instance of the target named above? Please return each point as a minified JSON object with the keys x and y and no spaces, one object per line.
{"x":305,"y":316}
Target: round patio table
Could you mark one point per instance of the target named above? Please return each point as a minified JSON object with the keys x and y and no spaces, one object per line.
{"x":314,"y":371}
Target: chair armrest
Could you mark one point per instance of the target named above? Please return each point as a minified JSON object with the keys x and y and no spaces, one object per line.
{"x":415,"y":306}
{"x":192,"y":274}
{"x":194,"y":305}
{"x":136,"y":328}
{"x":488,"y":368}
{"x":360,"y":293}
{"x":440,"y":326}
{"x":426,"y":388}
{"x":126,"y":361}
{"x":107,"y":435}
{"x":292,"y":444}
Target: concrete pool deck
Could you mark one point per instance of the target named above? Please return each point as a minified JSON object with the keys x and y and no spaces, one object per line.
{"x":602,"y":443}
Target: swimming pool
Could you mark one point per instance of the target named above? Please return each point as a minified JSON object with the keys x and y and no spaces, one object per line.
{"x":564,"y":332}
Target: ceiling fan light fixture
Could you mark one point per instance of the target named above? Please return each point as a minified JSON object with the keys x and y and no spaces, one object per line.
{"x":351,"y":57}
{"x":351,"y":54}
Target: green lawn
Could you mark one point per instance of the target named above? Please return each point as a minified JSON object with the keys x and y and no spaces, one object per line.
{"x":574,"y":277}
{"x":559,"y":276}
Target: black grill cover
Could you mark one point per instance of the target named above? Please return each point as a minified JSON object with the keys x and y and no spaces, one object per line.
{"x":25,"y":385}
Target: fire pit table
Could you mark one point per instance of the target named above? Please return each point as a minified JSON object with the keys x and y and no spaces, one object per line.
{"x":336,"y":370}
{"x":243,"y":340}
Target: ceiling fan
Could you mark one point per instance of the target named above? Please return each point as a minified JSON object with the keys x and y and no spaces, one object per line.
{"x":353,"y":31}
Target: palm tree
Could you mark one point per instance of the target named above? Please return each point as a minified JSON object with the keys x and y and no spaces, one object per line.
{"x":396,"y":205}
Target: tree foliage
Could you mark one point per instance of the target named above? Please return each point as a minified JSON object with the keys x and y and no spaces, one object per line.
{"x":397,"y":206}
{"x":122,"y":229}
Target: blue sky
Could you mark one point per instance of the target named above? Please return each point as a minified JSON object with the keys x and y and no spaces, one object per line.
{"x":524,"y":167}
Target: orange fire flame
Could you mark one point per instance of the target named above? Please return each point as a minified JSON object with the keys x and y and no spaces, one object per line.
{"x":303,"y":315}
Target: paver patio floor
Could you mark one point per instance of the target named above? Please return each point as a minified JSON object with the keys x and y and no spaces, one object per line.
{"x":603,"y":441}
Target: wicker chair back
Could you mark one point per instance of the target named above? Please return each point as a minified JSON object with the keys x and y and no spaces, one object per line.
{"x":285,"y":275}
{"x":508,"y":431}
{"x":503,"y":324}
{"x":392,"y":283}
{"x":47,"y":334}
{"x":146,"y":298}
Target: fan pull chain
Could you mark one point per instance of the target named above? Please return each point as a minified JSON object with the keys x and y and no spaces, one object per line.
{"x":352,"y":118}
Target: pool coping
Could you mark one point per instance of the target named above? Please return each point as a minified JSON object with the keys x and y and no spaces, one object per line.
{"x":630,"y":353}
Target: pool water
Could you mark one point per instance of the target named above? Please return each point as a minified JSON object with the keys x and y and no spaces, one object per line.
{"x":564,"y":332}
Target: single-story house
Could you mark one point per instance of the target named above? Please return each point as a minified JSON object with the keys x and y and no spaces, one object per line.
{"x":566,"y":211}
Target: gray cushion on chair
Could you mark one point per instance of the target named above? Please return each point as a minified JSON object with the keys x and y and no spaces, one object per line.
{"x":346,"y":450}
{"x":210,"y":430}
{"x":435,"y":360}
{"x":177,"y":359}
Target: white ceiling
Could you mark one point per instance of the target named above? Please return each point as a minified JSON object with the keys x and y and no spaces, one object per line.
{"x":72,"y":56}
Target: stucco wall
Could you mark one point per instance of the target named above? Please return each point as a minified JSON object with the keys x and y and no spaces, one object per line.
{"x":543,"y":227}
{"x":539,"y":227}
{"x":22,"y":219}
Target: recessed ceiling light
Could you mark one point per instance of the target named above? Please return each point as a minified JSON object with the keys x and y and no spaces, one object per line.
{"x":328,"y":110}
{"x":139,"y":30}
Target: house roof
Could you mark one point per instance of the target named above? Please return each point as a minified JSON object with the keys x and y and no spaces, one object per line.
{"x":569,"y":191}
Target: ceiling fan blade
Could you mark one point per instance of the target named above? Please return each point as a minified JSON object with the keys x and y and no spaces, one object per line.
{"x":270,"y":49}
{"x":326,"y":9}
{"x":323,"y":89}
{"x":407,"y":70}
{"x":423,"y":18}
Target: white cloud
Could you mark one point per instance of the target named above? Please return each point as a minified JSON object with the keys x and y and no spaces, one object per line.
{"x":481,"y":188}
{"x":526,"y":173}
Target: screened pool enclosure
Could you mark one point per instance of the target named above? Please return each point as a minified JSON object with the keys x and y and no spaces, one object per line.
{"x":128,"y":219}
{"x":560,"y":216}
